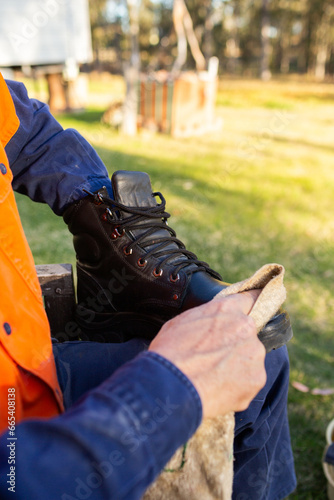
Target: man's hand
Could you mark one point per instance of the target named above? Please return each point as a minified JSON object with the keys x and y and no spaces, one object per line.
{"x":216,"y":346}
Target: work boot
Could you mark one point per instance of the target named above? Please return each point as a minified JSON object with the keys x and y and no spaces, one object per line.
{"x":133,"y":273}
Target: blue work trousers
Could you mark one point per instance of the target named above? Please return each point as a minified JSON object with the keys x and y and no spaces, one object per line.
{"x":263,"y":467}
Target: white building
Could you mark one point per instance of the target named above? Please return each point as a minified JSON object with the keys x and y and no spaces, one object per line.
{"x":44,"y":32}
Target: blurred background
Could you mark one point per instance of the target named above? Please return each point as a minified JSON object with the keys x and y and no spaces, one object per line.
{"x":229,"y":106}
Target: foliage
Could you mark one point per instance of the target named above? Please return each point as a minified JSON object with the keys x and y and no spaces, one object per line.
{"x":300,"y":34}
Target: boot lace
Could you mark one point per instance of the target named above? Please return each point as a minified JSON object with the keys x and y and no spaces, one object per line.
{"x":153,"y":219}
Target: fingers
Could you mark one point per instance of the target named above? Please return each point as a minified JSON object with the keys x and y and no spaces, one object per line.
{"x":218,"y":350}
{"x":243,"y":302}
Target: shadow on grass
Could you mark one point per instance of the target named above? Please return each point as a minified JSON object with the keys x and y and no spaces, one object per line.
{"x":321,"y":98}
{"x":88,"y":116}
{"x":301,"y":142}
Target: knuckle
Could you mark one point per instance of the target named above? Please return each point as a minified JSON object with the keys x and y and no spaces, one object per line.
{"x":230,"y":302}
{"x":219,"y":306}
{"x":215,"y":307}
{"x":251,"y":322}
{"x":260,"y":350}
{"x":246,"y":327}
{"x":250,"y":325}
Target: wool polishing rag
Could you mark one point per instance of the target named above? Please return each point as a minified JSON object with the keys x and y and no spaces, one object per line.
{"x":268,"y":279}
{"x":203,"y":470}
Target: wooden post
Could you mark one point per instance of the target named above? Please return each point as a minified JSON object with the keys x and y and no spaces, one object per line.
{"x":56,"y":282}
{"x":57,"y":96}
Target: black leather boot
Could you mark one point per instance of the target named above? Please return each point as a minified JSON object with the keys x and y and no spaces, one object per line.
{"x":133,"y":273}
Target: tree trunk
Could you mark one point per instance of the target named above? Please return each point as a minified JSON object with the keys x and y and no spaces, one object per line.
{"x":131,"y":73}
{"x":181,"y":37}
{"x":185,"y":31}
{"x":303,"y":53}
{"x":285,"y":57}
{"x":322,"y":44}
{"x":320,"y":63}
{"x":208,"y":42}
{"x":233,"y":42}
{"x":265,"y":42}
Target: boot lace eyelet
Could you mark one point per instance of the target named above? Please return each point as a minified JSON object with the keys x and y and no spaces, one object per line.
{"x":107,"y":215}
{"x":117,"y":234}
{"x":141,"y":262}
{"x":98,"y":199}
{"x":127,"y":251}
{"x":174,"y":279}
{"x":157,"y":273}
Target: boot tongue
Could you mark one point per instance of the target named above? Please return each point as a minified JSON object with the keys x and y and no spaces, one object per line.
{"x":132,"y":189}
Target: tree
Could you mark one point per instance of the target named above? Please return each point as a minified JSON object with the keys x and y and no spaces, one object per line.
{"x":257,"y":36}
{"x":131,"y":71}
{"x":97,"y":10}
{"x":322,"y":39}
{"x":185,"y":32}
{"x":265,"y":72}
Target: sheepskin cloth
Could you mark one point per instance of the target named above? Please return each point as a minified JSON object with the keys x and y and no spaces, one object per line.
{"x":204,"y":469}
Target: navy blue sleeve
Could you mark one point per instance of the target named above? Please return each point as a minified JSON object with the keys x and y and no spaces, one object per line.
{"x":51,"y":165}
{"x":113,"y":443}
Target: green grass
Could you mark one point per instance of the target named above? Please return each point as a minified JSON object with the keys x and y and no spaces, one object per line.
{"x":259,"y":190}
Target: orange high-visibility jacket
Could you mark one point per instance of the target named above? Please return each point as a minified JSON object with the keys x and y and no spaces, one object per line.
{"x":26,"y":359}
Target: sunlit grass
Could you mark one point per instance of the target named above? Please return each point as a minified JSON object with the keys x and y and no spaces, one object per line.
{"x":259,"y":190}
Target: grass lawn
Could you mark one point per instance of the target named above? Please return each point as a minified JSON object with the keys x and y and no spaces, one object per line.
{"x":259,"y":190}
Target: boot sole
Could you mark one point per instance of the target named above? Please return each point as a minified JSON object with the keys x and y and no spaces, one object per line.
{"x":121,"y":327}
{"x":277,"y":332}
